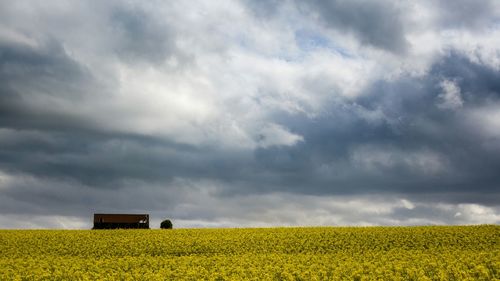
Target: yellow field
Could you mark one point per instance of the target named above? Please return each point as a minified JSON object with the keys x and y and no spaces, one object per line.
{"x":366,"y":253}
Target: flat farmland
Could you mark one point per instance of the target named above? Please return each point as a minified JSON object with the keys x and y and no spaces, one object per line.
{"x":303,"y":253}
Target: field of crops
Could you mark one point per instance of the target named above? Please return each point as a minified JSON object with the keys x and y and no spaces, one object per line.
{"x":365,"y":253}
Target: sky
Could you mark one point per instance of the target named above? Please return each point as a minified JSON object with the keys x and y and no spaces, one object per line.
{"x":250,"y":113}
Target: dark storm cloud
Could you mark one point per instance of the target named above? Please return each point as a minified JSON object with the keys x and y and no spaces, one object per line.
{"x":105,"y":160}
{"x":52,"y":142}
{"x":326,"y":163}
{"x":395,"y":152}
{"x":28,"y":74}
{"x":74,"y":138}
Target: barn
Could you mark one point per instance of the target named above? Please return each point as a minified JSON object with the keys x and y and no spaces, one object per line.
{"x":114,"y":221}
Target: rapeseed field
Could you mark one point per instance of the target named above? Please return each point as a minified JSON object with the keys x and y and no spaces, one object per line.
{"x":312,"y":253}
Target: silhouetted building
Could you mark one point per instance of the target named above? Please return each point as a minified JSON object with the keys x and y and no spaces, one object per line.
{"x":113,"y":221}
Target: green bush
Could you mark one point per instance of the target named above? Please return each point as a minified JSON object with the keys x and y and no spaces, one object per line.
{"x":166,"y":224}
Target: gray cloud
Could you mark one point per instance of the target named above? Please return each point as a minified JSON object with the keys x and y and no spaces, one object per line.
{"x":466,"y":14}
{"x":34,"y":82}
{"x":343,"y":153}
{"x":235,"y":136}
{"x":379,"y":24}
{"x":139,"y":36}
{"x":395,"y":137}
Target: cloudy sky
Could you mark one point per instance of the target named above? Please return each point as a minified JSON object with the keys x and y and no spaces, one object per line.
{"x":250,"y":112}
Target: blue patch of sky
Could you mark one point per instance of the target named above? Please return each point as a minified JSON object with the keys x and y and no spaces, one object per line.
{"x":309,"y":40}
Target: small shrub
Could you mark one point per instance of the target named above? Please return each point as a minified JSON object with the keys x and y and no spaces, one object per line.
{"x":166,"y":224}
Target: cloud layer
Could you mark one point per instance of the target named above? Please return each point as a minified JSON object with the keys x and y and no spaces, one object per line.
{"x":250,"y":113}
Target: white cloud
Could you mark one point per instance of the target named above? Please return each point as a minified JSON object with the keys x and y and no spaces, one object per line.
{"x":229,"y":70}
{"x":276,"y":135}
{"x":476,"y":214}
{"x":450,"y":97}
{"x":407,"y":204}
